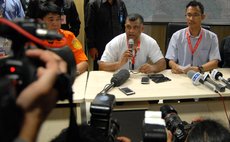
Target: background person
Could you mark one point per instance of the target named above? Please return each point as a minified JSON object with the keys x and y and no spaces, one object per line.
{"x":69,"y":19}
{"x":117,"y":54}
{"x":11,"y":9}
{"x":193,"y":48}
{"x":208,"y":131}
{"x":104,"y":19}
{"x":50,"y":13}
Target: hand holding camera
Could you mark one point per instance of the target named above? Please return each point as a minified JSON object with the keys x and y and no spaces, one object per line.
{"x":36,"y":102}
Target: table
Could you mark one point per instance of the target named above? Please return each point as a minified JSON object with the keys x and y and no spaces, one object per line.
{"x":146,"y":97}
{"x":180,"y":87}
{"x":58,"y":119}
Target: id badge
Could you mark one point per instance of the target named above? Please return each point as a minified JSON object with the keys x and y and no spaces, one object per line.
{"x":63,"y":19}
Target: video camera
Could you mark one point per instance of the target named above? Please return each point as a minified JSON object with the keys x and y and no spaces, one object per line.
{"x":20,"y":69}
{"x":101,"y":116}
{"x":155,"y":130}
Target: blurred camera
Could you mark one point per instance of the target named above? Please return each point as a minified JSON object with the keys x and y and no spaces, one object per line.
{"x":101,"y":116}
{"x":20,"y":69}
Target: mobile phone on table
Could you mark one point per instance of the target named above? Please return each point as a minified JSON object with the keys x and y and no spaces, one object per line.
{"x":127,"y":91}
{"x":155,"y":76}
{"x":145,"y":80}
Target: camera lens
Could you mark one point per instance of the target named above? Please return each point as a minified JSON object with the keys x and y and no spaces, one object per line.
{"x":174,"y":123}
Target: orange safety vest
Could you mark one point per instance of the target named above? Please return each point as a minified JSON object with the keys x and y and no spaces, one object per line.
{"x":73,"y":43}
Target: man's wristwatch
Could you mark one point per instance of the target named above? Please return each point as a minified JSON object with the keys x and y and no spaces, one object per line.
{"x":201,"y":69}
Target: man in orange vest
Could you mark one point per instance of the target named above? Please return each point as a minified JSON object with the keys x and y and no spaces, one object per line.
{"x":50,"y":13}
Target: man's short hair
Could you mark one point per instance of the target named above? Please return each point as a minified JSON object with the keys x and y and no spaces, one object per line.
{"x":208,"y":130}
{"x":48,"y":7}
{"x":134,"y":17}
{"x":195,"y":3}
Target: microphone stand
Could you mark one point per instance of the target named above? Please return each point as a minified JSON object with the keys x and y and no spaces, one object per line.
{"x":105,"y":90}
{"x":219,"y":87}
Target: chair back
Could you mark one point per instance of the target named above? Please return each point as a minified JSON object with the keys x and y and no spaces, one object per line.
{"x":225,"y":52}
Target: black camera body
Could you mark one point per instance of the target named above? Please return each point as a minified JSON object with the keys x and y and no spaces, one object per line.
{"x":21,"y":72}
{"x":101,"y":116}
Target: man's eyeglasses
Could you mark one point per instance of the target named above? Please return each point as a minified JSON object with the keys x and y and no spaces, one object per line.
{"x":193,"y":15}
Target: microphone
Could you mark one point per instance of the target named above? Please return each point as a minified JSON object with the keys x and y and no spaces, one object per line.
{"x":197,"y":79}
{"x":131,"y":43}
{"x":118,"y":79}
{"x":215,"y":74}
{"x":219,"y":87}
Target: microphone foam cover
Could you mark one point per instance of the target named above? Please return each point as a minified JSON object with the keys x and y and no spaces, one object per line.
{"x":120,"y":77}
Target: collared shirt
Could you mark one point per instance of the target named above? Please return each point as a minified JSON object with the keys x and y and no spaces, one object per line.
{"x":12,"y":9}
{"x":103,"y":22}
{"x":178,"y":49}
{"x":149,"y":49}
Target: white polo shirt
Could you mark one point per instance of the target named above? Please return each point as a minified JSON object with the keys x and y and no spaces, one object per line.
{"x":149,"y":49}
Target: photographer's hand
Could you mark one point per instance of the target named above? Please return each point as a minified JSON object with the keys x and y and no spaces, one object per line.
{"x":38,"y":99}
{"x":169,"y":135}
{"x":123,"y":139}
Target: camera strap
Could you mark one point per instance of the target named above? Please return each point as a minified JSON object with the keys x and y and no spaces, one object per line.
{"x":73,"y":131}
{"x":66,"y":92}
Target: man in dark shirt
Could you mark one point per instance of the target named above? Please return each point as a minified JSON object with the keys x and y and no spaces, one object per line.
{"x":104,"y":19}
{"x":70,"y":17}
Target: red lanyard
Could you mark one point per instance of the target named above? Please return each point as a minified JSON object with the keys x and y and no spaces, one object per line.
{"x":193,"y":50}
{"x":135,"y":52}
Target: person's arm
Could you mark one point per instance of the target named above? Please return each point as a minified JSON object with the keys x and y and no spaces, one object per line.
{"x":172,"y":54}
{"x":82,"y":67}
{"x":160,"y":65}
{"x":79,"y":55}
{"x":206,"y":67}
{"x":210,"y":65}
{"x":38,"y":99}
{"x":175,"y":68}
{"x":109,"y":66}
{"x":113,"y":66}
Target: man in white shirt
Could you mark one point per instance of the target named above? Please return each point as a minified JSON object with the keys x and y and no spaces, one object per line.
{"x":117,"y":54}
